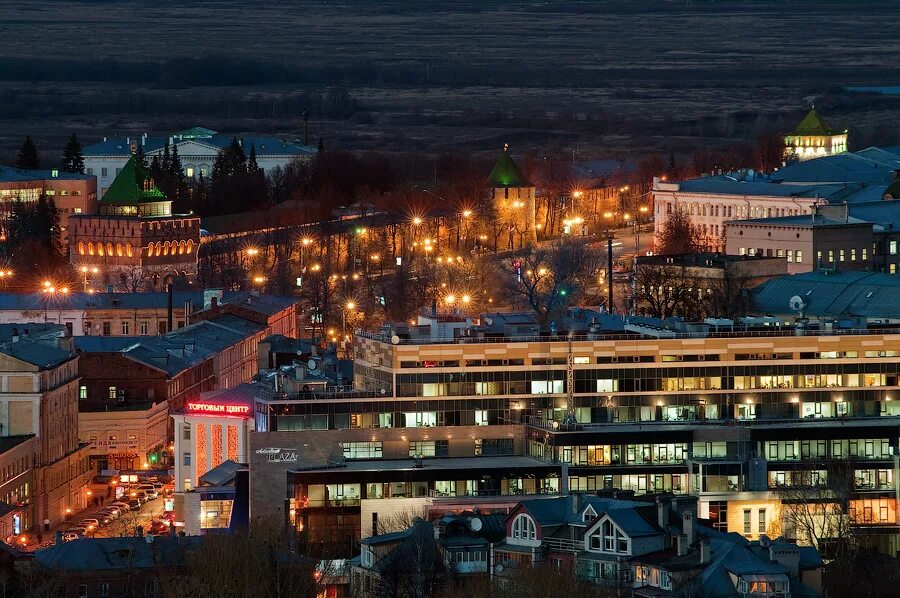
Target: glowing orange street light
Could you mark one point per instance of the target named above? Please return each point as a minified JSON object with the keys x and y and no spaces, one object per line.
{"x":253,"y":251}
{"x":417,"y":221}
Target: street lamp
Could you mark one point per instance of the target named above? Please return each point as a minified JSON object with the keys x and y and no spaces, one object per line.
{"x":84,"y":273}
{"x":253,"y":252}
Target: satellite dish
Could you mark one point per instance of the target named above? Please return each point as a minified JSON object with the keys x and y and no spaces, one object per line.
{"x":311,"y":364}
{"x":475,"y":524}
{"x":499,"y":568}
{"x":395,"y":340}
{"x":796,"y":303}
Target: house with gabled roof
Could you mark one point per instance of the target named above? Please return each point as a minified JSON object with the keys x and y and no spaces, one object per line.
{"x":651,"y":549}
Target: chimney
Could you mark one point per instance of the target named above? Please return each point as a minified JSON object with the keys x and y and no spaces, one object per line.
{"x":689,"y":527}
{"x":704,"y":551}
{"x":682,"y":544}
{"x":576,"y":502}
{"x":663,"y":506}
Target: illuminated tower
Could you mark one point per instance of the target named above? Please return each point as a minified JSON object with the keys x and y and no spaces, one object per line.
{"x":513,"y":197}
{"x":813,"y":138}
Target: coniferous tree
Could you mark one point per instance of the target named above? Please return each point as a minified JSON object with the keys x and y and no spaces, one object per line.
{"x":72,"y":158}
{"x":256,"y":179}
{"x":177,"y":188}
{"x":28,"y":156}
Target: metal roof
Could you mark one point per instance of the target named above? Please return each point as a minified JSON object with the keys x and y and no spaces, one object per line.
{"x":10,"y":174}
{"x":832,"y":294}
{"x":42,"y":355}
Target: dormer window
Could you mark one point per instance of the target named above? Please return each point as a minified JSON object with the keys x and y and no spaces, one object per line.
{"x":588,"y":515}
{"x":523,"y":528}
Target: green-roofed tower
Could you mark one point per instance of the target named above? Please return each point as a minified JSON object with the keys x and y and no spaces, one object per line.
{"x":133,"y":193}
{"x":814,"y":138}
{"x":506,"y":174}
{"x":514,"y":199}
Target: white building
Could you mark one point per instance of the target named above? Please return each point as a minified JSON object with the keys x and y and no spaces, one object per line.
{"x":197,"y":150}
{"x":211,"y":430}
{"x":710,"y":201}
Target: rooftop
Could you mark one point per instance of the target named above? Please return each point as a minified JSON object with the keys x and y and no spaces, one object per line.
{"x":802,"y":221}
{"x":133,"y":185}
{"x":814,"y":124}
{"x":111,"y":554}
{"x":43,"y":355}
{"x":11,"y":174}
{"x":833,"y":294}
{"x":264,"y":304}
{"x":506,"y":174}
{"x":265,"y":146}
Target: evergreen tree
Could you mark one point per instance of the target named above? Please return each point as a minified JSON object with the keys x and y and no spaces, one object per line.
{"x":28,"y":156}
{"x":177,"y":185}
{"x":72,"y":158}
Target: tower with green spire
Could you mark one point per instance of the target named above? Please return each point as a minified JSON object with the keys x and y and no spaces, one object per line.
{"x":814,"y":138}
{"x":514,"y":200}
{"x":134,"y":242}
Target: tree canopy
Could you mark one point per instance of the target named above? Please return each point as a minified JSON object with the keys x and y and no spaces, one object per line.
{"x":72,"y":158}
{"x":28,"y":157}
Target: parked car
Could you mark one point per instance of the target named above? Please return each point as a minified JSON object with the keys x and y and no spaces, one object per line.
{"x":121,"y":505}
{"x":70,"y":535}
{"x":113,"y":510}
{"x":77,"y":530}
{"x":90,"y":521}
{"x":135,"y":504}
{"x":151,"y":492}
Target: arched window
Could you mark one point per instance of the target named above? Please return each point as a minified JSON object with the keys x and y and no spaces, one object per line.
{"x":80,"y":247}
{"x":158,"y":249}
{"x":129,"y":251}
{"x":109,"y":249}
{"x":119,"y":249}
{"x":100,"y":249}
{"x":90,"y":249}
{"x":190,"y":246}
{"x":181,"y":248}
{"x":166,"y":248}
{"x":523,"y":527}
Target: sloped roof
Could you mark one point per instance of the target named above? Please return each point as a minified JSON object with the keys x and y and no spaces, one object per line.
{"x":222,"y":474}
{"x":132,"y":186}
{"x":42,"y":355}
{"x":194,"y":132}
{"x":632,"y":522}
{"x":112,"y":554}
{"x":506,"y":174}
{"x":834,"y":294}
{"x":872,"y":165}
{"x":801,"y":221}
{"x":814,"y":124}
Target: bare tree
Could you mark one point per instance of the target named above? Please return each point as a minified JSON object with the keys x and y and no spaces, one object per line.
{"x":415,"y":568}
{"x":679,"y":234}
{"x":663,"y":291}
{"x":547,"y":280}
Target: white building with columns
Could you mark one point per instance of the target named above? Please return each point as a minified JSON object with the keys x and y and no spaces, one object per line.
{"x":197,"y":150}
{"x":211,"y":430}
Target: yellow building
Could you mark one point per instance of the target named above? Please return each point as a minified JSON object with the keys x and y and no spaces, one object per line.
{"x":814,"y":138}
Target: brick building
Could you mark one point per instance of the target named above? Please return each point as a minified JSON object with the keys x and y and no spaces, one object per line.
{"x":135,"y":240}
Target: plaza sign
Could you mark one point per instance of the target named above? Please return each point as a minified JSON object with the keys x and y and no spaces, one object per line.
{"x":279,"y":455}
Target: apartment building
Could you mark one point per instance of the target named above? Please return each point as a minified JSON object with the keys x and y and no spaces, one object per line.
{"x":39,"y":399}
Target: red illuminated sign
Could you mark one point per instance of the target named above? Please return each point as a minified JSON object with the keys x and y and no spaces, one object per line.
{"x":218,"y":409}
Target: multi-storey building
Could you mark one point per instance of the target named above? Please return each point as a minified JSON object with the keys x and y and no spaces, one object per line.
{"x":135,"y":241}
{"x":39,"y":397}
{"x":71,"y":192}
{"x":197,"y":149}
{"x":736,"y":417}
{"x":711,"y":201}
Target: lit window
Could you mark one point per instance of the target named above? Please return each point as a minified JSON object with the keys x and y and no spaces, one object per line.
{"x":799,"y":256}
{"x":892,"y":248}
{"x":119,"y":249}
{"x":128,"y":250}
{"x":113,"y":393}
{"x":80,"y":247}
{"x":189,"y":172}
{"x":100,"y":249}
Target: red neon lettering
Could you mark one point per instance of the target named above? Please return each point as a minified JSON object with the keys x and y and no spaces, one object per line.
{"x":216,"y":408}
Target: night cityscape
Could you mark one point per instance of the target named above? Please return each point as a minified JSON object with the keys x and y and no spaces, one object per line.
{"x":373,"y":299}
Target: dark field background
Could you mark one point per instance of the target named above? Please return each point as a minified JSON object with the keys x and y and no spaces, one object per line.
{"x":604,"y":78}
